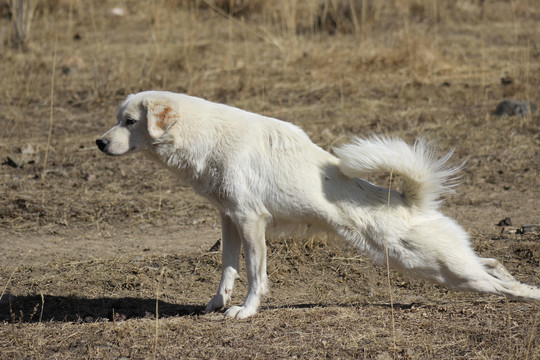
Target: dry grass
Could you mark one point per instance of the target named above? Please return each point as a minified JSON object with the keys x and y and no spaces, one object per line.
{"x":102,"y":234}
{"x":22,"y":17}
{"x":324,"y":303}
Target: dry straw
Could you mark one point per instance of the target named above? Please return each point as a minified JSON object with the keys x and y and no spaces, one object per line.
{"x":157,"y":312}
{"x":23,"y":12}
{"x":267,"y":37}
{"x":42,"y":307}
{"x":533,"y":332}
{"x":51,"y":118}
{"x":388,"y":272}
{"x":13,"y":273}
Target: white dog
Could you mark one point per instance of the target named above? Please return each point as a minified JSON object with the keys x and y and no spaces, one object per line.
{"x":264,"y":174}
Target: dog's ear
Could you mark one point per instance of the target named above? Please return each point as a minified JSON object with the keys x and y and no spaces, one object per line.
{"x":160,"y":115}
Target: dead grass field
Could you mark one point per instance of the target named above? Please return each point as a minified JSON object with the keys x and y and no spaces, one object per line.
{"x":89,"y":243}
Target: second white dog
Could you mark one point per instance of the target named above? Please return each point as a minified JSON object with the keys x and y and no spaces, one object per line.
{"x":265,"y":174}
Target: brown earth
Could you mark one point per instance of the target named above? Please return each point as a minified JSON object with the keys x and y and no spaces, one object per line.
{"x":89,"y":243}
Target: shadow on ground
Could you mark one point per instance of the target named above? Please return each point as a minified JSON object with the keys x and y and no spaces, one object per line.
{"x":28,"y":308}
{"x":72,"y":309}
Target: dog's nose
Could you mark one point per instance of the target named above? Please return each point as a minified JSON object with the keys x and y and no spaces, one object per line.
{"x":101,"y":144}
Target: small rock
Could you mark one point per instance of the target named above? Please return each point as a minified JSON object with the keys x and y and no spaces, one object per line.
{"x":149,"y":315}
{"x":384,"y":356}
{"x":88,"y":319}
{"x":530,"y":228}
{"x":23,"y":157}
{"x":117,"y":316}
{"x":408,"y":352}
{"x":13,"y":162}
{"x":216,"y":246}
{"x":514,"y":107}
{"x":71,"y":65}
{"x":28,"y":150}
{"x":89,"y":177}
{"x":507,"y":80}
{"x":512,"y":230}
{"x":523,"y":229}
{"x":117,"y":11}
{"x":505,"y":222}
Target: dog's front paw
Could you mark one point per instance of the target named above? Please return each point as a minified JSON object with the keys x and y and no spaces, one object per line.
{"x":217,"y":302}
{"x":240,"y":312}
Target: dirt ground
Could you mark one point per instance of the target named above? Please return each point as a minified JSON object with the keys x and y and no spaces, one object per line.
{"x":93,"y":247}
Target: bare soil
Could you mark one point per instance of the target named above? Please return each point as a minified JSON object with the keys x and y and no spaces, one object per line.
{"x":94,"y":247}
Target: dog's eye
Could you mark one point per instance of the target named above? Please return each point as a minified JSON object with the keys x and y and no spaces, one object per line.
{"x":130,"y":121}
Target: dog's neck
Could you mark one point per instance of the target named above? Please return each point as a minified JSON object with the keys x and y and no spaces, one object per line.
{"x":194,"y":165}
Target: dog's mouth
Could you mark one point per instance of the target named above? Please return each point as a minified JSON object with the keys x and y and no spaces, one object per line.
{"x":111,"y":154}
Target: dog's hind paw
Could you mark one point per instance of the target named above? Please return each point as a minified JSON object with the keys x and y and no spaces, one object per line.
{"x":240,"y":312}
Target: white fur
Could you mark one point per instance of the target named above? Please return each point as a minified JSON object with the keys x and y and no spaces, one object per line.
{"x":265,"y":174}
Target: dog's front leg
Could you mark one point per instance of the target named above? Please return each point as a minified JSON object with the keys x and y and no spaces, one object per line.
{"x":252,"y":230}
{"x":230,"y":264}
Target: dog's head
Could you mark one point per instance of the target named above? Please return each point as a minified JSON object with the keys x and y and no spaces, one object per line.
{"x":143,"y":119}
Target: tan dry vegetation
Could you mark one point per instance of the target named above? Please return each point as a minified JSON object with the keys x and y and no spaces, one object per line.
{"x":97,"y":235}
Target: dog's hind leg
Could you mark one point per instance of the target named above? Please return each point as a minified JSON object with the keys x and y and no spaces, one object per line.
{"x":495,"y":285}
{"x":252,"y":231}
{"x":510,"y":286}
{"x":451,"y":261}
{"x":496,"y":269}
{"x":230,"y":264}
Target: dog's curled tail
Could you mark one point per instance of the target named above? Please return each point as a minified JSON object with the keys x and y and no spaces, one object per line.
{"x":426,"y":176}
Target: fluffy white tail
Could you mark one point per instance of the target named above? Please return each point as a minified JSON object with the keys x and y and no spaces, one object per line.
{"x":425,"y":175}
